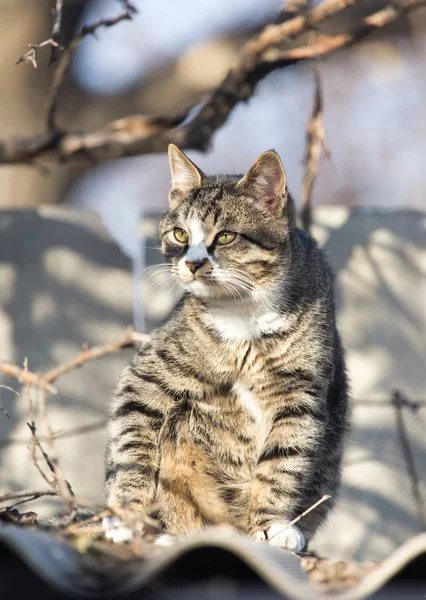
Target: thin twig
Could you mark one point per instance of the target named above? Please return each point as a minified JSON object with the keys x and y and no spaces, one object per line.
{"x":6,"y":414}
{"x":402,"y":401}
{"x":31,"y":56}
{"x":56,"y":31}
{"x":304,"y":513}
{"x":60,"y":486}
{"x":129,"y":338}
{"x":23,"y":376}
{"x":292,"y":8}
{"x":404,"y":437}
{"x":65,"y":60}
{"x":74,"y":431}
{"x":327,"y":44}
{"x":315,"y":142}
{"x":125,"y":340}
{"x":259,"y":57}
{"x":26,"y":494}
{"x":10,"y":389}
{"x":63,"y":487}
{"x":90,"y":521}
{"x":35,"y":443}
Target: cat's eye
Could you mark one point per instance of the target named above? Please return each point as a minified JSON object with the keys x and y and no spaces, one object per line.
{"x":225,"y":237}
{"x":181,"y":235}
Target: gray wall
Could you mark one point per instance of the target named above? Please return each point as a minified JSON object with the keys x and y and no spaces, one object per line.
{"x":64,"y":283}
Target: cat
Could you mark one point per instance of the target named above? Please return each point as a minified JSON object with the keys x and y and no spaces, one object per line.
{"x":236,"y":410}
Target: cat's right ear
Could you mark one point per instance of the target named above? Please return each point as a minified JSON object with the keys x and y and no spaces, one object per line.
{"x":185,"y":175}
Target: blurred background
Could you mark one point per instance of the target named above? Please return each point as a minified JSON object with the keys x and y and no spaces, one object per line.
{"x":75,"y":239}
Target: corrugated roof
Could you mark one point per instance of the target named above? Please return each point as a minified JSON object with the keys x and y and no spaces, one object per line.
{"x":34,"y":564}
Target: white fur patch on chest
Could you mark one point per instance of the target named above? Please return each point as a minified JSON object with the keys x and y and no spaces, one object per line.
{"x":237,"y":325}
{"x":253,"y":407}
{"x":248,"y":401}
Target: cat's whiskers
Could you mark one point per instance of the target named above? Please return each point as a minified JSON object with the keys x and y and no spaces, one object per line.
{"x":154,"y":268}
{"x":240,"y":281}
{"x":160,"y":278}
{"x":259,"y":295}
{"x":233,"y":292}
{"x":226,"y":283}
{"x":228,"y":291}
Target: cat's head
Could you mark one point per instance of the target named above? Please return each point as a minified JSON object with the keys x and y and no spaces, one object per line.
{"x":227,"y":236}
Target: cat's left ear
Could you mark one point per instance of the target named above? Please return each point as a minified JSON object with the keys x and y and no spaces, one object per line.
{"x":185,"y":175}
{"x":265,"y":182}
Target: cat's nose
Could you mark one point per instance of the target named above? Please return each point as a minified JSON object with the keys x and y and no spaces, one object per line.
{"x":194,"y":265}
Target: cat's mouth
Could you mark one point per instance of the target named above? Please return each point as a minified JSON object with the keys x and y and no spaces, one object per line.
{"x":212,"y":286}
{"x":203,"y":285}
{"x":209,"y":280}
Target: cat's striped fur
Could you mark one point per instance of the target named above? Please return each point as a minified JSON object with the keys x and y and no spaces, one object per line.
{"x":235,"y":411}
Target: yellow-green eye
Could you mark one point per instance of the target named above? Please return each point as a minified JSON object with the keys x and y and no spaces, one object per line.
{"x":225,"y":237}
{"x":181,"y":235}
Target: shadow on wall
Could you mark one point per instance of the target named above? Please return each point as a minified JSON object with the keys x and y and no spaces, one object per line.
{"x":379,"y":258}
{"x":64,"y":284}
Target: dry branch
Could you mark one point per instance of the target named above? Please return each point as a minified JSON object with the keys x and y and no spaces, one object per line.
{"x":129,"y":338}
{"x":327,"y":44}
{"x":64,"y":63}
{"x":125,"y":340}
{"x":304,"y":513}
{"x":259,"y":57}
{"x":73,"y":431}
{"x":30,"y":494}
{"x":399,"y":401}
{"x":35,"y":442}
{"x":315,"y":141}
{"x":4,"y":411}
{"x":60,"y":483}
{"x":31,"y":56}
{"x":23,"y":376}
{"x":60,"y":486}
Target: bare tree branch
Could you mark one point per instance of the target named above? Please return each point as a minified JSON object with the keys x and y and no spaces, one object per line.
{"x":127,"y":339}
{"x":292,"y":8}
{"x":29,"y":494}
{"x":35,"y":443}
{"x":56,"y":30}
{"x":399,"y":401}
{"x":315,"y":142}
{"x":24,"y":376}
{"x":60,"y":484}
{"x":31,"y":56}
{"x":74,"y":431}
{"x":4,"y":411}
{"x":64,"y":63}
{"x":142,"y":135}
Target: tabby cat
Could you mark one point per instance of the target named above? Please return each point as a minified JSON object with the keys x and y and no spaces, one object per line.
{"x":235,"y":411}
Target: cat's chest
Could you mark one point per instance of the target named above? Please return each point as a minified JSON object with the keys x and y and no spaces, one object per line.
{"x":240,"y":325}
{"x":252,"y":406}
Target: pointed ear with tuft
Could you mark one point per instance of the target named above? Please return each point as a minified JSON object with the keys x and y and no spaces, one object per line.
{"x":265,"y":182}
{"x":185,"y":175}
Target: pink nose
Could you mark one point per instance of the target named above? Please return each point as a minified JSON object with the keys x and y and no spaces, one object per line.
{"x":193,"y":266}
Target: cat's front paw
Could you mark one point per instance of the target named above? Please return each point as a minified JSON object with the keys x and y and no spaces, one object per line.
{"x":282,"y":536}
{"x":116,"y":531}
